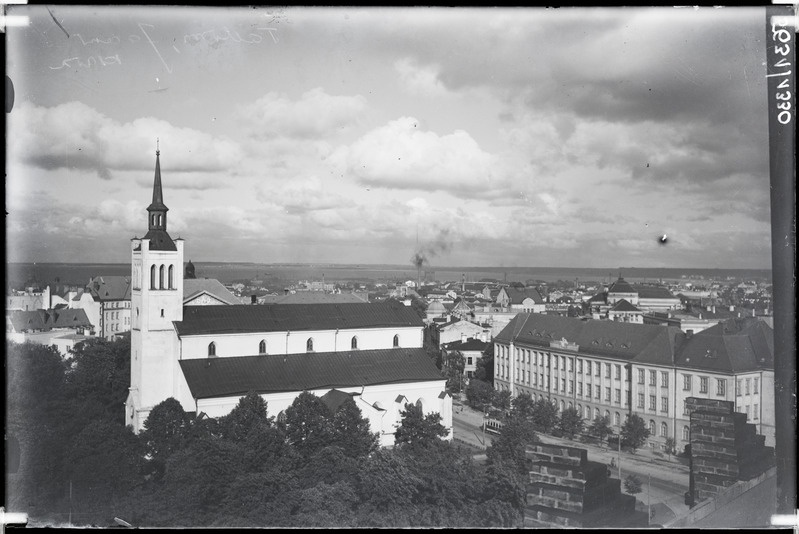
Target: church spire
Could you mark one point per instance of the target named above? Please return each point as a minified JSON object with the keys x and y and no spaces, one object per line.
{"x":157,"y":210}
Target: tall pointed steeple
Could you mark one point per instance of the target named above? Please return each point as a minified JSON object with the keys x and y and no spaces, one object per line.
{"x":156,"y":213}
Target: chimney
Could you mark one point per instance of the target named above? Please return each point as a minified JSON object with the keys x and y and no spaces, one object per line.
{"x":463,"y":338}
{"x":732,"y":308}
{"x":708,"y":307}
{"x":714,"y":308}
{"x":253,"y":299}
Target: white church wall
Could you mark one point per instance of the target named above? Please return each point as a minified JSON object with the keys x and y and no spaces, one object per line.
{"x":226,"y":345}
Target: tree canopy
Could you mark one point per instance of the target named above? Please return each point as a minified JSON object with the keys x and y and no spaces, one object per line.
{"x":417,"y":428}
{"x":634,"y":432}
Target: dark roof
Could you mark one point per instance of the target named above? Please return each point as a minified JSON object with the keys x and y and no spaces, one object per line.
{"x":653,"y":292}
{"x":194,"y":287}
{"x":227,"y":377}
{"x":49,"y":319}
{"x":312,"y":297}
{"x":107,"y":288}
{"x":279,"y":318}
{"x":621,"y":286}
{"x":733,"y":346}
{"x":160,"y":240}
{"x":469,"y":344}
{"x":624,"y":306}
{"x":645,"y":343}
{"x":334,"y":398}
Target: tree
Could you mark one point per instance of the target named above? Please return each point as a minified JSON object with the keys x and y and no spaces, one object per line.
{"x":353,"y":432}
{"x":453,"y":365}
{"x":484,"y":366}
{"x":250,"y":412}
{"x":417,"y":428}
{"x":308,"y":424}
{"x":671,"y":445}
{"x":570,"y":422}
{"x":600,"y":428}
{"x":545,"y":415}
{"x":523,"y":406}
{"x":165,"y":430}
{"x":632,"y":484}
{"x":479,"y":394}
{"x":511,"y":444}
{"x":634,"y":432}
{"x":501,"y":399}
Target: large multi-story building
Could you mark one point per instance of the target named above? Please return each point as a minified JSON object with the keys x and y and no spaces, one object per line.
{"x":614,"y":369}
{"x":112,"y":293}
{"x":209,"y":356}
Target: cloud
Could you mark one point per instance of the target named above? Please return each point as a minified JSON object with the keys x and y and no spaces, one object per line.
{"x":76,"y":136}
{"x":316,"y":114}
{"x":303,"y":196}
{"x":401,"y":155}
{"x":420,"y":80}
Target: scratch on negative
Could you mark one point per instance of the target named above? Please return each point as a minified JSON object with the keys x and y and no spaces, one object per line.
{"x":58,"y":23}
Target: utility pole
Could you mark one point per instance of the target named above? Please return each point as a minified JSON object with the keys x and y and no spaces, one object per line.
{"x":619,"y":456}
{"x":648,"y":499}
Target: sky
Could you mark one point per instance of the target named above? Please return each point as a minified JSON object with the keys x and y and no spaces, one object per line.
{"x":515,"y":137}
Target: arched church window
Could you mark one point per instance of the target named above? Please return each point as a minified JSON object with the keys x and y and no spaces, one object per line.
{"x":262,"y":347}
{"x":354,"y":343}
{"x":211,"y":349}
{"x":309,"y":345}
{"x":161,"y":277}
{"x":171,"y":277}
{"x":152,"y":277}
{"x":396,"y":340}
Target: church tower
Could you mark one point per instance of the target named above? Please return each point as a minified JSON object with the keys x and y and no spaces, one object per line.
{"x":156,"y":301}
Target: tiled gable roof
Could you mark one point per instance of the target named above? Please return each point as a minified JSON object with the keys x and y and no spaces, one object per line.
{"x":194,"y":287}
{"x":732,"y":346}
{"x":624,"y":306}
{"x":227,"y":377}
{"x":621,"y":286}
{"x":243,"y":318}
{"x":653,"y":292}
{"x":49,"y":319}
{"x":106,"y":288}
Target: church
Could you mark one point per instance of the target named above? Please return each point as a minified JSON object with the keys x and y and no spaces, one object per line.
{"x":209,"y":352}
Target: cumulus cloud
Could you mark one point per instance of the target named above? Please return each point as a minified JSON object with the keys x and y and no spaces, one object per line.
{"x":305,"y":195}
{"x":402,"y":155}
{"x":420,"y":80}
{"x":76,"y":136}
{"x":315,"y":114}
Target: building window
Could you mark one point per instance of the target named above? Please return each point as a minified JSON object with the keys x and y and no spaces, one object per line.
{"x":171,"y":277}
{"x":535,"y":379}
{"x":617,"y":419}
{"x":664,"y":405}
{"x":748,"y":409}
{"x":596,"y":392}
{"x":686,"y":433}
{"x":396,"y":341}
{"x":738,"y":387}
{"x":598,"y":369}
{"x":664,"y":430}
{"x":563,"y":384}
{"x":756,"y":411}
{"x":641,"y":376}
{"x":161,"y":277}
{"x":262,"y":347}
{"x":627,"y":372}
{"x":685,"y":407}
{"x":571,"y":387}
{"x":468,"y":359}
{"x":618,"y":396}
{"x":607,"y":394}
{"x":754,"y":389}
{"x":571,"y":365}
{"x":653,"y":403}
{"x":211,"y":349}
{"x":309,"y":345}
{"x":579,"y":389}
{"x":721,"y":387}
{"x":653,"y":378}
{"x":579,"y":366}
{"x":588,"y":368}
{"x":607,"y":370}
{"x":152,"y":277}
{"x":555,"y":363}
{"x":747,"y":385}
{"x":618,"y":372}
{"x":588,"y":412}
{"x":354,"y":343}
{"x":596,"y":413}
{"x":664,"y":379}
{"x":588,"y":390}
{"x":686,"y":382}
{"x":652,"y":427}
{"x":702,"y":384}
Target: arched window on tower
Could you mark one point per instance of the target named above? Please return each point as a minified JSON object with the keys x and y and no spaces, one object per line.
{"x":396,"y":340}
{"x":262,"y":347}
{"x":161,"y":277}
{"x":309,"y":345}
{"x":354,"y":343}
{"x":171,"y":277}
{"x":152,"y":277}
{"x":211,"y":349}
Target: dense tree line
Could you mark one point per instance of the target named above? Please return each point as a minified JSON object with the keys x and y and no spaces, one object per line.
{"x":314,"y":467}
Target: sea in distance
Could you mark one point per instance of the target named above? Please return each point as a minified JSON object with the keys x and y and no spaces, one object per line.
{"x":18,"y":274}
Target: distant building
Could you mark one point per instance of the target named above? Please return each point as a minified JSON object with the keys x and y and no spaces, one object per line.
{"x":62,"y":328}
{"x":112,"y":293}
{"x":527,"y":300}
{"x":472,"y":350}
{"x":29,"y":300}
